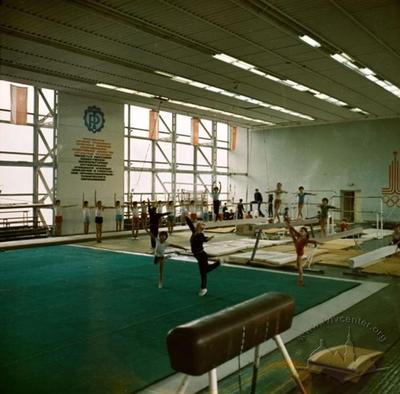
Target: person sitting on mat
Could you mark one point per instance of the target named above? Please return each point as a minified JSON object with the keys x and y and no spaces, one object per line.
{"x":159,"y":252}
{"x":300,"y":240}
{"x":396,"y":236}
{"x":196,"y":242}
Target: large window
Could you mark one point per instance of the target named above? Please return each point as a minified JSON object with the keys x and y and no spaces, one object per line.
{"x":171,"y":165}
{"x":27,"y":160}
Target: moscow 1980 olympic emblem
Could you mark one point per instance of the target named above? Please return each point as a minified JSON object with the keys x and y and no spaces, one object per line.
{"x":94,"y":119}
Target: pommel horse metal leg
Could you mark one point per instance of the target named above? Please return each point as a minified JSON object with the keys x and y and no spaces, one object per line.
{"x":213,"y":381}
{"x":289,"y":362}
{"x":253,"y":255}
{"x":263,"y":317}
{"x":256,"y":366}
{"x":183,"y":386}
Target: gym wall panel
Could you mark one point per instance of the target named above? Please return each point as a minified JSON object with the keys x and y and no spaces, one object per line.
{"x":90,"y":152}
{"x":343,"y":156}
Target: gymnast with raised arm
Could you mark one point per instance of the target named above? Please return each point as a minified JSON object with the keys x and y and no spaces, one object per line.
{"x":300,"y":240}
{"x":278,"y":200}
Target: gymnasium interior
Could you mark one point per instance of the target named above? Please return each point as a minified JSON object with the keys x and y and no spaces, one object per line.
{"x":261,"y":121}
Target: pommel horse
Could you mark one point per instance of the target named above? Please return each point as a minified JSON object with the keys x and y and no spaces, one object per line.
{"x":202,"y":345}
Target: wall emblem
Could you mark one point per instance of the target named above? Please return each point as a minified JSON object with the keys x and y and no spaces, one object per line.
{"x":391,"y":194}
{"x":94,"y":119}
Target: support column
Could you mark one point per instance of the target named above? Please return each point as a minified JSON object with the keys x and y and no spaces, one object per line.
{"x":35,"y":159}
{"x":214,"y":152}
{"x":173,"y":159}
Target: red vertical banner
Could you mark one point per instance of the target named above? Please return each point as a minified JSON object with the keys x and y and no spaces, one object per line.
{"x":233,"y":137}
{"x":195,"y":131}
{"x":153,"y":125}
{"x":19,"y":104}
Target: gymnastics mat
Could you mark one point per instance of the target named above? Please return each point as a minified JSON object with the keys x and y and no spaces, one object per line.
{"x":84,"y":320}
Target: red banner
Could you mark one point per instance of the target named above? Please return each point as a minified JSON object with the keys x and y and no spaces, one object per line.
{"x":233,"y":137}
{"x":153,"y":125}
{"x":195,"y":131}
{"x":19,"y":104}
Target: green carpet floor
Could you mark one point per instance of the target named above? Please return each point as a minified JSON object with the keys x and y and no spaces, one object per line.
{"x":80,"y":320}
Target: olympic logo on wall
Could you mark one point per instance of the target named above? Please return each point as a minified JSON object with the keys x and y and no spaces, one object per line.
{"x":392,"y":201}
{"x":94,"y":119}
{"x":391,"y":193}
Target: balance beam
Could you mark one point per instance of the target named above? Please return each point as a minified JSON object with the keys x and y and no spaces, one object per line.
{"x":306,"y":222}
{"x":369,"y":258}
{"x":343,"y":234}
{"x":261,"y":227}
{"x":230,"y":223}
{"x":202,"y":345}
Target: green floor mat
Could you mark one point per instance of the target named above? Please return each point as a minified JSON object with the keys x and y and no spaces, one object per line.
{"x":81,"y":320}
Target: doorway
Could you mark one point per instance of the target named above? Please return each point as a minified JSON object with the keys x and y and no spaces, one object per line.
{"x":350,"y":205}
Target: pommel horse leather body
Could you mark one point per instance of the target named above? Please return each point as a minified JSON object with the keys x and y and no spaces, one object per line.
{"x":202,"y":345}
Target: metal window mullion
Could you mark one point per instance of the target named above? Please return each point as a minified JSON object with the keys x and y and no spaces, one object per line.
{"x":165,"y":124}
{"x":42,"y":137}
{"x":55,"y":145}
{"x":214,"y":153}
{"x":161,"y":183}
{"x":153,"y":169}
{"x":129,"y":150}
{"x":35,"y":159}
{"x":205,"y":157}
{"x":162,"y":152}
{"x":51,"y":111}
{"x":173,"y":161}
{"x":205,"y":129}
{"x":195,"y":169}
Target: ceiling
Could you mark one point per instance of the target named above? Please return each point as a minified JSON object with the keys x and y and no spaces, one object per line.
{"x":72,"y":45}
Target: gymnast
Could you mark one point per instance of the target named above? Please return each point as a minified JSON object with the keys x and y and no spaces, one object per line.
{"x":196,"y":242}
{"x":159,"y":252}
{"x":278,"y":199}
{"x":300,"y":240}
{"x":300,"y":202}
{"x":154,"y":220}
{"x":324,"y":207}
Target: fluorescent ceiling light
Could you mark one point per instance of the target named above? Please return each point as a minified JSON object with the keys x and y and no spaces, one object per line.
{"x":125,"y":90}
{"x":340,"y":57}
{"x":240,"y":97}
{"x":186,"y":104}
{"x":220,"y":112}
{"x":244,"y":65}
{"x":310,"y":41}
{"x":272,"y":78}
{"x":366,"y":71}
{"x":359,"y":110}
{"x":106,"y":86}
{"x":258,"y":72}
{"x":224,"y":58}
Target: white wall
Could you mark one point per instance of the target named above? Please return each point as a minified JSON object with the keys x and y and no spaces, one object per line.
{"x":71,"y":186}
{"x":345,"y":156}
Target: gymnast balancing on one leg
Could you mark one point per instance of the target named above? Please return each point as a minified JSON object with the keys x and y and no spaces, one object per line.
{"x":300,"y":240}
{"x":196,"y":242}
{"x":159,"y":252}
